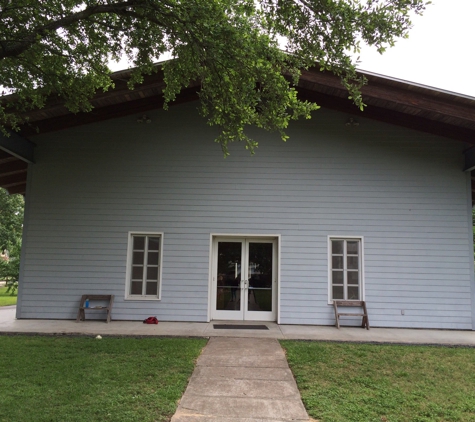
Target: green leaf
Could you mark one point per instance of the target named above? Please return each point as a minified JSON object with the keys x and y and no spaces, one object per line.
{"x":61,"y":49}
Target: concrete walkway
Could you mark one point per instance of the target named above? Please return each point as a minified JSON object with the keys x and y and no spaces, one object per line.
{"x":241,"y":380}
{"x":8,"y":324}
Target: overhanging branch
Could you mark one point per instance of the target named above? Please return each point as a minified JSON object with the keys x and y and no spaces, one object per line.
{"x":13,"y":48}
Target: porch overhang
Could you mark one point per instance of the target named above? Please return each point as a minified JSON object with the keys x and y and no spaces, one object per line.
{"x":16,"y":153}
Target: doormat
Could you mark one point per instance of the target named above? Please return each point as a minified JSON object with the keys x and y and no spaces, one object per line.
{"x":239,"y":327}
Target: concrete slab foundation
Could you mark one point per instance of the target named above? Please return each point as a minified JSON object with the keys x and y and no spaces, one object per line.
{"x":8,"y":324}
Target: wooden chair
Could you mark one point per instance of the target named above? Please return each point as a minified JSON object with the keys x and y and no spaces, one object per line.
{"x":102,"y":298}
{"x":351,"y":304}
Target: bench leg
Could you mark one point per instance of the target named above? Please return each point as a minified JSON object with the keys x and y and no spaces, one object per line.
{"x":81,"y":315}
{"x":365,"y":323}
{"x":365,"y":318}
{"x":337,"y":317}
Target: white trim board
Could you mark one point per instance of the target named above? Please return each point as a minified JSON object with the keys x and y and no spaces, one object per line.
{"x":274,"y":237}
{"x":127,"y":296}
{"x":362,"y":273}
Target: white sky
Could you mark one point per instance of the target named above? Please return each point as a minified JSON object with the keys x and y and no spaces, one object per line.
{"x":440,"y":50}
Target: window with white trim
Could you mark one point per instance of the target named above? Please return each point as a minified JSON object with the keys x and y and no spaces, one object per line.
{"x":144,"y":266}
{"x":346,"y":278}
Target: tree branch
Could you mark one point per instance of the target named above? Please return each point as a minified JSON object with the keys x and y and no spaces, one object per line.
{"x":11,"y":48}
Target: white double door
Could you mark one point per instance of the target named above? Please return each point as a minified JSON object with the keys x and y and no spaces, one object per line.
{"x":244,"y":279}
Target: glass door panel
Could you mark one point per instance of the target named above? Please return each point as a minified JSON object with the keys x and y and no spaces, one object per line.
{"x":228,"y":280}
{"x":260,"y":277}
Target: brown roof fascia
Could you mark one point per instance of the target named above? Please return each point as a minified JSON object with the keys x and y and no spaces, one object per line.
{"x":391,"y":101}
{"x":120,"y":109}
{"x":399,"y":94}
{"x":390,"y":116}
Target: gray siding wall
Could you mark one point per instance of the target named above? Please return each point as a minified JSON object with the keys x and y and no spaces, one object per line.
{"x":404,"y":191}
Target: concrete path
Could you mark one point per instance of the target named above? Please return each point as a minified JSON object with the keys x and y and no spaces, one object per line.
{"x":7,"y":315}
{"x":241,"y":380}
{"x":8,"y":324}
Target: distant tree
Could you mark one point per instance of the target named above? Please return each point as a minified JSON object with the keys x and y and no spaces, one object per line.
{"x":246,"y":54}
{"x":11,"y":227}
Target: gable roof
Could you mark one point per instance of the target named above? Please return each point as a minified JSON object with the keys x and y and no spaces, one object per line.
{"x":388,"y":100}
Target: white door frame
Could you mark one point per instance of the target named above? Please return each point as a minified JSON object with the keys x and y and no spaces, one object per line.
{"x":214,"y":238}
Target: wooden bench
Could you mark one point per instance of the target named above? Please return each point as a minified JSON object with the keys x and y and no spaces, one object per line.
{"x":102,"y":298}
{"x":351,"y":304}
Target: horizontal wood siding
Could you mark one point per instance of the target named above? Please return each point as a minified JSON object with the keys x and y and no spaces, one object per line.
{"x":403,"y":191}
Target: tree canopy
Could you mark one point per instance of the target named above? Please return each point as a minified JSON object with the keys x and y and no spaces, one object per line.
{"x":246,"y":54}
{"x":11,"y":219}
{"x":11,"y":227}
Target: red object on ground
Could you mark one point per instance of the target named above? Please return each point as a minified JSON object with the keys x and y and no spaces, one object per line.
{"x":151,"y":320}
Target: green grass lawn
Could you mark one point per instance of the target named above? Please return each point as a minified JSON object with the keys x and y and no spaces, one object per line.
{"x":354,"y":382}
{"x":84,"y":379}
{"x":7,"y":298}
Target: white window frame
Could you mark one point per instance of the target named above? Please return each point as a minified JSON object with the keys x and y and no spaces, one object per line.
{"x":361,"y":266}
{"x":128,"y":269}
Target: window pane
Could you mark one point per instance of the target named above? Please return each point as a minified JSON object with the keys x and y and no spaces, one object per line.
{"x":139,"y":243}
{"x":352,"y":247}
{"x":229,"y":263}
{"x":137,"y":273}
{"x":337,"y":277}
{"x":337,"y":292}
{"x":152,"y":273}
{"x":138,"y":258}
{"x":337,"y":262}
{"x":152,"y":288}
{"x":136,"y":288}
{"x":260,"y":300}
{"x":352,"y":277}
{"x":337,"y":246}
{"x":260,"y":265}
{"x":228,"y":298}
{"x":352,"y":262}
{"x":353,"y":292}
{"x":153,"y":243}
{"x":152,"y":258}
